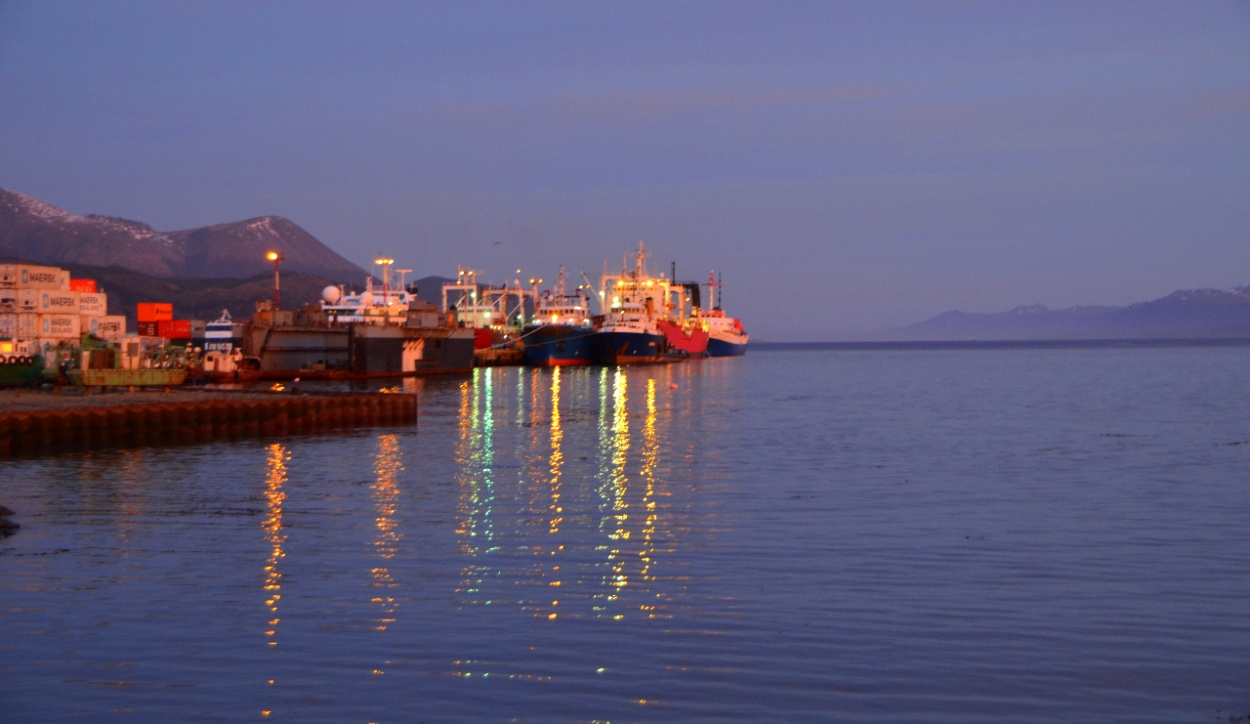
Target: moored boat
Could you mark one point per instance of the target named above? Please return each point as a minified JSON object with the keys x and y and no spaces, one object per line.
{"x":626,"y":332}
{"x":637,"y":327}
{"x":727,"y":337}
{"x":494,"y":314}
{"x":561,"y":332}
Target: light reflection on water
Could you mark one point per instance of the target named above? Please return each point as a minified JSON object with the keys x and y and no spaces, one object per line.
{"x":614,"y":498}
{"x":1033,"y":535}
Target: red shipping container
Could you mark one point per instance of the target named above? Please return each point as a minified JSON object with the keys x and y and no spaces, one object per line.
{"x":83,"y":285}
{"x":154,"y":311}
{"x":147,"y":329}
{"x":174,"y":328}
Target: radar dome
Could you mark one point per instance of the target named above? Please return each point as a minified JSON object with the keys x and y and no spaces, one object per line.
{"x":332,"y":295}
{"x":366,"y":299}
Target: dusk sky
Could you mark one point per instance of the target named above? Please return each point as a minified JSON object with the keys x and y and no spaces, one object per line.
{"x":847,"y":166}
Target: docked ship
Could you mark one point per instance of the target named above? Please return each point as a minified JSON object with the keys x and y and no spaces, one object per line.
{"x":385,"y":332}
{"x":727,"y":336}
{"x":223,"y":360}
{"x":636,"y":325}
{"x":561,"y":332}
{"x":494,"y":314}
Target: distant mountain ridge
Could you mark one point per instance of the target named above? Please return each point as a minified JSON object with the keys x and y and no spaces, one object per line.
{"x":44,"y":234}
{"x":1187,"y":314}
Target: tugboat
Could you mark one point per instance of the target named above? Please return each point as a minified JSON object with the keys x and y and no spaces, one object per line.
{"x":561,"y":331}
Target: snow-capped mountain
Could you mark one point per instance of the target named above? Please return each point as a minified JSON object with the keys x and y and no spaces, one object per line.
{"x":35,"y":231}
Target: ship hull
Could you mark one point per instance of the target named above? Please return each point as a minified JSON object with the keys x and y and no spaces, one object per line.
{"x":725,"y":348}
{"x":624,"y":348}
{"x":557,"y":345}
{"x":684,"y":341}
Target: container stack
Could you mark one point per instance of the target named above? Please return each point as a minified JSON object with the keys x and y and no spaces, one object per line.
{"x":42,"y":307}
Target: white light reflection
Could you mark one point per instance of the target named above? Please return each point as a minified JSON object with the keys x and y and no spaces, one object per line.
{"x":550,"y":531}
{"x":475,"y":455}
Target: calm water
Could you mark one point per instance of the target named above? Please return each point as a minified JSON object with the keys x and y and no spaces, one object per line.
{"x":944,"y":535}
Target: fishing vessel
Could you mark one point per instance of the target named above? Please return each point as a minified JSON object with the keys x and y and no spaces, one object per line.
{"x":385,"y":332}
{"x":728,"y":338}
{"x":561,"y":331}
{"x":637,"y":326}
{"x":496,"y":315}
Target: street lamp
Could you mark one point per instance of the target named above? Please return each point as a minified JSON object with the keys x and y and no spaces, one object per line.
{"x":276,"y":258}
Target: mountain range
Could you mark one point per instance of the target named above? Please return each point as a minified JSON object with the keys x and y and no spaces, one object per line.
{"x":1191,"y":314}
{"x":32,"y":229}
{"x":205,"y":270}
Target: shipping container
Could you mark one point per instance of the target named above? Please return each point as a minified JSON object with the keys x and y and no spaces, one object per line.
{"x":30,"y":276}
{"x":155,"y":311}
{"x":28,"y":299}
{"x":83,"y":285}
{"x":58,"y":302}
{"x":8,"y":275}
{"x":8,"y":325}
{"x":174,"y":328}
{"x":27,"y":325}
{"x":92,"y":304}
{"x":109,"y":328}
{"x":60,"y":326}
{"x":147,"y":329}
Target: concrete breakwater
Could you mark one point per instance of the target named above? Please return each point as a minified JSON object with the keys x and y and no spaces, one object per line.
{"x":47,"y":431}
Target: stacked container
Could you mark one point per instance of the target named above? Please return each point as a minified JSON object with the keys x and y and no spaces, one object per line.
{"x":41,"y":306}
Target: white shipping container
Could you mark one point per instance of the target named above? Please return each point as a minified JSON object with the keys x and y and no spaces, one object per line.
{"x":28,"y":299}
{"x":58,"y":302}
{"x":30,"y":276}
{"x":8,"y":275}
{"x":60,"y":326}
{"x":92,"y":304}
{"x":27,"y":325}
{"x":8,"y":325}
{"x":110,"y":328}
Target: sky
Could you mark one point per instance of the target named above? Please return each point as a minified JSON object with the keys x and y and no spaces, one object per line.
{"x":847,"y":167}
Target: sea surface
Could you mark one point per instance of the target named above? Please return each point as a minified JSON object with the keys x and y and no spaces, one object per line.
{"x":808,"y":533}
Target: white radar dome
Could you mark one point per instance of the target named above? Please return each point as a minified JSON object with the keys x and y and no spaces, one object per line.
{"x":332,"y":295}
{"x":366,"y":298}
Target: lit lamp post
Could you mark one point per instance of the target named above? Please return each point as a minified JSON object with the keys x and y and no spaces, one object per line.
{"x":385,"y":263}
{"x":276,"y":258}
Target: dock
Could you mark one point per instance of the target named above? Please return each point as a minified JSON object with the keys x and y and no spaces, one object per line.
{"x":33,"y":423}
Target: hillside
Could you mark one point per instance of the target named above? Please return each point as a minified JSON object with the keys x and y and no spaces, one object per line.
{"x":1190,"y":314}
{"x":31,"y":229}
